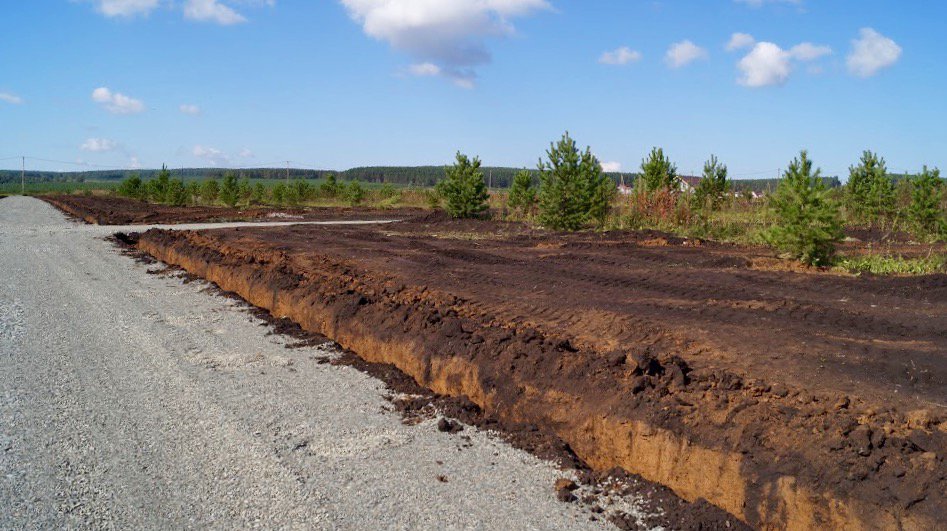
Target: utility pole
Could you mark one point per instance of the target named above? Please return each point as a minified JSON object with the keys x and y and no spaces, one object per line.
{"x":287,"y":172}
{"x":23,"y":176}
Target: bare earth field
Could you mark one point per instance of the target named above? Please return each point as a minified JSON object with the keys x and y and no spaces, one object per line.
{"x":111,"y":210}
{"x":790,"y":399}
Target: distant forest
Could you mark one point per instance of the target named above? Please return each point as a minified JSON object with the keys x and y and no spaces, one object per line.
{"x":497,"y":177}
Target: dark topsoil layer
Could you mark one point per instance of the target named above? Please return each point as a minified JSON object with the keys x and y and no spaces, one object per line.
{"x":111,"y":210}
{"x":836,"y":381}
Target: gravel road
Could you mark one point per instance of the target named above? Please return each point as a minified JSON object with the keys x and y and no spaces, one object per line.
{"x":130,"y":400}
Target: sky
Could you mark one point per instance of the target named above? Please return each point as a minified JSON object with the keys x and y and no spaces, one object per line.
{"x":334,"y":84}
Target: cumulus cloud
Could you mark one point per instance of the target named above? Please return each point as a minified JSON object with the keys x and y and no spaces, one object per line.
{"x":212,"y":11}
{"x":620,"y":56}
{"x":611,"y":166}
{"x":213,"y":155}
{"x":134,"y":164}
{"x":116,"y":102}
{"x":216,"y":11}
{"x":450,"y":35}
{"x":738,"y":41}
{"x":10,"y":98}
{"x":188,"y":108}
{"x":125,"y":8}
{"x":871,"y":53}
{"x":807,"y":51}
{"x":98,"y":145}
{"x":245,"y":153}
{"x":767,"y":64}
{"x":684,"y":53}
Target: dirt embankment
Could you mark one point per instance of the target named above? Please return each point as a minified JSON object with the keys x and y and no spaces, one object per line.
{"x":790,"y":400}
{"x":110,"y":210}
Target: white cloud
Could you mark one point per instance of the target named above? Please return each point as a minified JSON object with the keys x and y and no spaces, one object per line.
{"x":684,"y":53}
{"x":125,"y":8}
{"x":424,"y":69}
{"x":448,"y":34}
{"x":871,"y":53}
{"x":134,"y":163}
{"x":10,"y":98}
{"x":245,"y":153}
{"x":611,"y":166}
{"x":116,"y":102}
{"x":215,"y":156}
{"x":98,"y":145}
{"x":739,"y":41}
{"x":807,"y":51}
{"x":767,"y":64}
{"x":187,"y":108}
{"x":212,"y":11}
{"x":620,"y":56}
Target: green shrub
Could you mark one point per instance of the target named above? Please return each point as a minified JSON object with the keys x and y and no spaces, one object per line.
{"x":522,"y":193}
{"x":714,"y":186}
{"x":259,"y":194}
{"x":894,"y":265}
{"x":229,"y":190}
{"x":132,"y":187}
{"x":870,"y":191}
{"x":925,"y":210}
{"x":279,"y":193}
{"x":210,"y":190}
{"x":808,"y":223}
{"x":244,"y":190}
{"x":354,"y":193}
{"x":302,"y":190}
{"x":463,"y":188}
{"x":330,"y":187}
{"x":176,"y":193}
{"x":657,"y":171}
{"x":573,"y":189}
{"x":193,"y":191}
{"x":157,"y":189}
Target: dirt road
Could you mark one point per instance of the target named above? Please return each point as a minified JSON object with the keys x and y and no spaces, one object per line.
{"x":131,"y":400}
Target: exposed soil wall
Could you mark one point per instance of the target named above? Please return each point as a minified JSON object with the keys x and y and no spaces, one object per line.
{"x":666,"y":403}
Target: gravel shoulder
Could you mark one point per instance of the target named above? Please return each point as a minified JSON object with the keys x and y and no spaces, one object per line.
{"x":136,"y":400}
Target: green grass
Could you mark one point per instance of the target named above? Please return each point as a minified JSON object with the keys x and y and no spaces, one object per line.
{"x":893,"y":265}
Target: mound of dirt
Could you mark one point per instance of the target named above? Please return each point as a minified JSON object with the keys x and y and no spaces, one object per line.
{"x":113,"y":210}
{"x":788,"y":399}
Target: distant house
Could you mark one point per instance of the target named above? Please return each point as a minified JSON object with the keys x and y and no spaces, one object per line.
{"x":624,"y":189}
{"x":687,"y":183}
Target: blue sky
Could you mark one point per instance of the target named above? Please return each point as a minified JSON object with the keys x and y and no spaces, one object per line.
{"x":342,"y":83}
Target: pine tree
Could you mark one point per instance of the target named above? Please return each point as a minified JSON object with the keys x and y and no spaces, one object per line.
{"x":176,"y":193}
{"x":131,"y":187}
{"x":657,"y":171}
{"x":259,"y":194}
{"x":463,"y":188}
{"x":870,"y":191}
{"x":330,"y":188}
{"x":354,"y":193}
{"x":229,"y":190}
{"x":522,"y":192}
{"x":573,"y":188}
{"x":157,"y":188}
{"x":925,"y":210}
{"x":210,"y":189}
{"x":713,"y":186}
{"x":808,"y":221}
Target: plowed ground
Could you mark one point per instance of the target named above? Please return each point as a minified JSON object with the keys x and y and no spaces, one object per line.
{"x":110,"y":210}
{"x":787,"y":398}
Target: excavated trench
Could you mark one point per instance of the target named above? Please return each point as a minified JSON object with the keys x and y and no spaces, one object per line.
{"x":761,"y":451}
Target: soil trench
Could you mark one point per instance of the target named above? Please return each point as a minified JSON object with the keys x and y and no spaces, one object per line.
{"x":639,"y":352}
